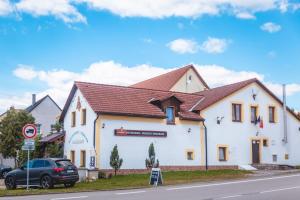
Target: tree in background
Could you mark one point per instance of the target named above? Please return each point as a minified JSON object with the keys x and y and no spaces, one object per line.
{"x":150,"y":161}
{"x":54,"y":150}
{"x":57,"y":126}
{"x":115,"y":160}
{"x":11,"y":133}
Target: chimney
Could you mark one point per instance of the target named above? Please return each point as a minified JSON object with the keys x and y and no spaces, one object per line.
{"x":33,"y":99}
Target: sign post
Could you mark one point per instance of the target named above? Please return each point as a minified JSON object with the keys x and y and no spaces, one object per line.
{"x":29,"y":132}
{"x":156,"y":177}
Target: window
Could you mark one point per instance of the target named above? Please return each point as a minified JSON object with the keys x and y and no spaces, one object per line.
{"x":222,"y":152}
{"x":47,"y":163}
{"x":265,"y":142}
{"x":271,"y":114}
{"x":82,"y":158}
{"x":190,"y":155}
{"x":83,"y":117}
{"x":236,"y":112}
{"x":38,"y":128}
{"x":73,"y":121}
{"x":254,"y":112}
{"x":72,"y":157}
{"x":170,"y":115}
{"x":38,"y":164}
{"x":274,"y":158}
{"x":286,"y":156}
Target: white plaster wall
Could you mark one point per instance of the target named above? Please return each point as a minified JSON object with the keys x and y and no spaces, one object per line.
{"x":78,"y":142}
{"x":237,"y":135}
{"x":195,"y":85}
{"x":46,"y":114}
{"x":170,"y":151}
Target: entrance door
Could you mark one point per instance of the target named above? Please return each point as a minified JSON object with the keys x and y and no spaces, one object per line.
{"x":255,"y":152}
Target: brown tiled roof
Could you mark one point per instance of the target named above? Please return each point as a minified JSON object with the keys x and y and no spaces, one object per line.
{"x":168,"y":80}
{"x":215,"y":95}
{"x":129,"y":101}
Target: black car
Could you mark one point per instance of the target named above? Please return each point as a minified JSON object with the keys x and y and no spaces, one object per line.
{"x":45,"y":172}
{"x":4,"y":170}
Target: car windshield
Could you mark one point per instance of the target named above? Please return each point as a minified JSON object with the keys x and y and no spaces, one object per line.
{"x":63,"y":163}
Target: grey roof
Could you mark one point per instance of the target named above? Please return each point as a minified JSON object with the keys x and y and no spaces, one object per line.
{"x":32,"y":107}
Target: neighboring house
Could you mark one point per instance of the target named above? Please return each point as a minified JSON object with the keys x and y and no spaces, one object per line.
{"x":244,"y":124}
{"x":46,"y":113}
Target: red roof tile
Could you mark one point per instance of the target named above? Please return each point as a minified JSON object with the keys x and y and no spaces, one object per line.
{"x":129,"y":101}
{"x":215,"y":95}
{"x":168,"y":80}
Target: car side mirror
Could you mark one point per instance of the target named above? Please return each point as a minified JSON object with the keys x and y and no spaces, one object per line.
{"x":22,"y":168}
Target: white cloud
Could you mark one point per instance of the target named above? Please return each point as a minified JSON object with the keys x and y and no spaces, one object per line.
{"x":25,"y":72}
{"x":61,"y":9}
{"x":5,"y":7}
{"x":214,"y":45}
{"x":67,"y":10}
{"x":60,"y":81}
{"x":270,"y":27}
{"x":181,"y":8}
{"x":183,"y":46}
{"x":245,"y":15}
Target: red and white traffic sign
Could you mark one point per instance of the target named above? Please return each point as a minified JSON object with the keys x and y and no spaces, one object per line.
{"x":29,"y":131}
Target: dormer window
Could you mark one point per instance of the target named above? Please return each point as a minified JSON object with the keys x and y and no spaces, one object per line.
{"x":170,"y":112}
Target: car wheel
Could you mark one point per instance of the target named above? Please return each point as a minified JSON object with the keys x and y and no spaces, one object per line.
{"x":4,"y":174}
{"x":68,"y":185}
{"x":46,"y":182}
{"x":10,"y":183}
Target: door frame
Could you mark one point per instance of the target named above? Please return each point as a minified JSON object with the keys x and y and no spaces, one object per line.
{"x":260,"y":139}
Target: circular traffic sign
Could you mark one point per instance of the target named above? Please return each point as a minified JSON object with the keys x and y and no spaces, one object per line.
{"x":29,"y":131}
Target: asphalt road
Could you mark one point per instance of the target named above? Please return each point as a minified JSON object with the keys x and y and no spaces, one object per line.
{"x":272,"y":188}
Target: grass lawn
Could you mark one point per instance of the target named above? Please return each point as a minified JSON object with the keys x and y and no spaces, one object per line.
{"x":136,"y":181}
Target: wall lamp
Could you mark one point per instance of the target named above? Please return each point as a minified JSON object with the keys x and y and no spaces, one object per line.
{"x":219,"y":120}
{"x":189,"y":130}
{"x":103,"y":125}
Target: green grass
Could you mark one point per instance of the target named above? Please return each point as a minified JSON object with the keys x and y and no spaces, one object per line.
{"x":135,"y":181}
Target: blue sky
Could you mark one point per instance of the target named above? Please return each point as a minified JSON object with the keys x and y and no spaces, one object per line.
{"x":45,"y":46}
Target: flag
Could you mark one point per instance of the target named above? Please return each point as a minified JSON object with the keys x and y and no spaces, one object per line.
{"x":261,"y":123}
{"x":257,"y":120}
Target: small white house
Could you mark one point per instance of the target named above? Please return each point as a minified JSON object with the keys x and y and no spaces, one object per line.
{"x":242,"y":123}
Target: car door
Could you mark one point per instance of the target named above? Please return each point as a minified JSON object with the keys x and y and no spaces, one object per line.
{"x":36,"y":171}
{"x":21,"y":173}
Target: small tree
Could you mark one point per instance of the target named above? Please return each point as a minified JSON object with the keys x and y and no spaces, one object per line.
{"x":57,"y":126}
{"x":115,"y":160}
{"x":150,"y":162}
{"x":54,"y":150}
{"x":11,"y":133}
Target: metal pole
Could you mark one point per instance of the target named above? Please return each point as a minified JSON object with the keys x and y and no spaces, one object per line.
{"x":28,"y":170}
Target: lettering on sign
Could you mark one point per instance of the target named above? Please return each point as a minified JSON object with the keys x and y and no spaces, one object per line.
{"x":143,"y":133}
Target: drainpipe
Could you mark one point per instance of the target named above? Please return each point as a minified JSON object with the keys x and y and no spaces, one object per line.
{"x":206,"y":153}
{"x":94,"y":141}
{"x":285,"y":138}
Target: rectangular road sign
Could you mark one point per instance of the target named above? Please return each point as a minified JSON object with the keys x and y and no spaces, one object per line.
{"x":29,"y":142}
{"x":28,"y":147}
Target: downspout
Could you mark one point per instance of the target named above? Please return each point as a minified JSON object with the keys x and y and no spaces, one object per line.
{"x":285,"y":138}
{"x":206,"y":153}
{"x":94,"y":141}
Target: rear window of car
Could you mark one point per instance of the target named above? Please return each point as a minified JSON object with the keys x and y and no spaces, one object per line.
{"x":63,"y":163}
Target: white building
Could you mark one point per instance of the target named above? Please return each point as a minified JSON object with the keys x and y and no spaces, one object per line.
{"x":244,"y":121}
